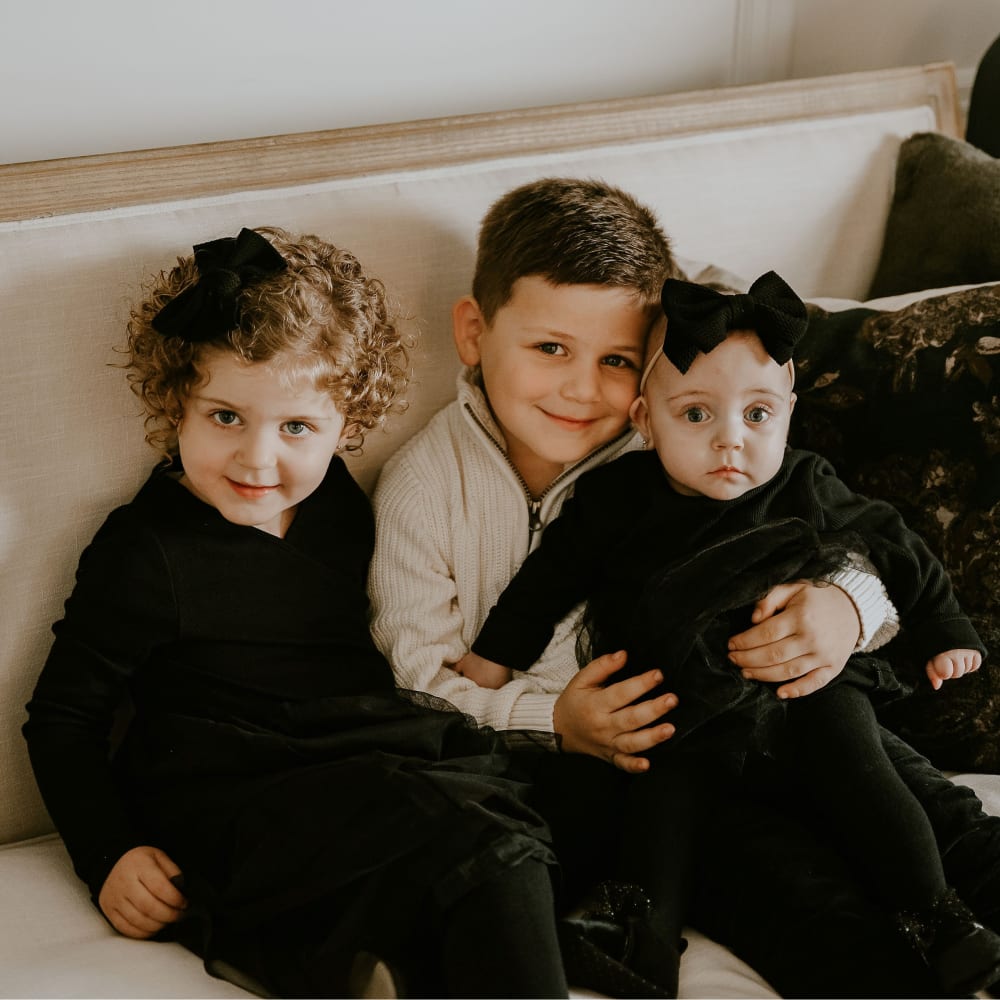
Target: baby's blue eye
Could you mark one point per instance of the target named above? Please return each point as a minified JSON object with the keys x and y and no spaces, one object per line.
{"x":225,"y":417}
{"x":758,"y":415}
{"x":695,"y":415}
{"x":296,"y":428}
{"x":552,"y":349}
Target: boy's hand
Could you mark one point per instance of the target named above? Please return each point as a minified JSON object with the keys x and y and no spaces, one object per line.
{"x":952,"y":664}
{"x":802,"y":633}
{"x":599,"y":719}
{"x":138,"y":897}
{"x":485,"y":673}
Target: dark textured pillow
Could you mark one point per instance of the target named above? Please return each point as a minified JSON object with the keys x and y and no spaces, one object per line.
{"x":944,"y":221}
{"x":905,"y":405}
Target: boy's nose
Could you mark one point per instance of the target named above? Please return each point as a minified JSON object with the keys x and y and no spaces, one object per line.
{"x":582,"y":383}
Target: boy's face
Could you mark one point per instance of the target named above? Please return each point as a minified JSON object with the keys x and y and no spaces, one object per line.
{"x":251,"y":445}
{"x":720,"y":428}
{"x":560,"y":366}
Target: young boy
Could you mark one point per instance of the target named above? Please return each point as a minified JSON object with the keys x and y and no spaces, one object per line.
{"x":566,"y":287}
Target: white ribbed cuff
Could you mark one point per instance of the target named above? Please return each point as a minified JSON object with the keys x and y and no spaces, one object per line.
{"x":877,"y":615}
{"x":533,"y":711}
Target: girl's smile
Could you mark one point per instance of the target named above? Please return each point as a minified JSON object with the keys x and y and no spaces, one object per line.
{"x":254,"y":444}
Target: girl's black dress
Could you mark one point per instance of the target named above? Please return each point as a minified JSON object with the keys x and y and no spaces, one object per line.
{"x":314,"y":810}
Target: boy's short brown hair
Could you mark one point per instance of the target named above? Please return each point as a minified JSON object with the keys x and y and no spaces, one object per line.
{"x":571,"y":232}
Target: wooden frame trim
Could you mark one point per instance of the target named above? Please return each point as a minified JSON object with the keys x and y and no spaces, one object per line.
{"x":99,"y":183}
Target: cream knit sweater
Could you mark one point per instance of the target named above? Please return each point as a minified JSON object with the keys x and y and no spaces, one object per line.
{"x":453,"y":524}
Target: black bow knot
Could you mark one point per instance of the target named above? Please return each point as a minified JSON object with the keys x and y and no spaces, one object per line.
{"x":210,"y":307}
{"x":700,"y":318}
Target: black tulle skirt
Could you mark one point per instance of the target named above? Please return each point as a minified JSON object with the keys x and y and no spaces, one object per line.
{"x":311,"y":830}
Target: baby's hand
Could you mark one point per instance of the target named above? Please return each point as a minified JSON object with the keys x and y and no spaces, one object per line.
{"x":951,"y":664}
{"x":138,"y":897}
{"x":485,"y":673}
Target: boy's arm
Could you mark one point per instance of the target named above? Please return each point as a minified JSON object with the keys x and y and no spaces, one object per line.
{"x":419,"y":624}
{"x":418,"y":618}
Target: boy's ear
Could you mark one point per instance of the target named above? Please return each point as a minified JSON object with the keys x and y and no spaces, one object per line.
{"x":639,"y":416}
{"x":467,"y":326}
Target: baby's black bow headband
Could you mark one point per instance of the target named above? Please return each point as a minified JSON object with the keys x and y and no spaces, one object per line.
{"x":699,"y":318}
{"x":210,"y":307}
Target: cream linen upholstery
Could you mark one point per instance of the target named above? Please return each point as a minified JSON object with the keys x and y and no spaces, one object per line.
{"x":795,"y":177}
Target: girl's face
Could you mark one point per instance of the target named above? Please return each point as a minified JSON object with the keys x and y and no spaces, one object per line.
{"x":252,"y":445}
{"x":720,"y":428}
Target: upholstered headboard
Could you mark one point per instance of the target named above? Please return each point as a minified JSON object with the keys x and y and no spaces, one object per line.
{"x":796,"y":176}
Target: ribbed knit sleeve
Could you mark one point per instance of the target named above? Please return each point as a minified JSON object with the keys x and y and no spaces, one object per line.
{"x":451,"y":529}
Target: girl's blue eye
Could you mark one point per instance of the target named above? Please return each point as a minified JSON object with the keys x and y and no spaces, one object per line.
{"x":758,"y":415}
{"x":225,"y":417}
{"x":695,"y":415}
{"x":296,"y":428}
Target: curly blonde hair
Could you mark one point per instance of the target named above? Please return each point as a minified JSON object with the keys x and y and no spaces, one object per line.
{"x":323,"y":317}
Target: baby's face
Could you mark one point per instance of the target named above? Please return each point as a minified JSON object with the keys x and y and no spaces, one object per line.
{"x":720,"y":428}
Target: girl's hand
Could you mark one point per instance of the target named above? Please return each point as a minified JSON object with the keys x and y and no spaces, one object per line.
{"x":485,"y":673}
{"x":952,"y":664}
{"x":592,"y":716}
{"x":802,"y":633}
{"x":138,"y":897}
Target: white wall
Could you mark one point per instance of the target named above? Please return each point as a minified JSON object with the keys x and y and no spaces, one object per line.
{"x":92,"y":76}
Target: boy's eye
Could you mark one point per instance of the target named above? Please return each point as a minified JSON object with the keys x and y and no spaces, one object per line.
{"x":758,"y":415}
{"x":553,"y":349}
{"x":225,"y":417}
{"x":695,"y":415}
{"x":296,"y":428}
{"x":617,"y":361}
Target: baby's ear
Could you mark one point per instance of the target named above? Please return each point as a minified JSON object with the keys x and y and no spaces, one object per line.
{"x":639,"y":416}
{"x":467,"y":327}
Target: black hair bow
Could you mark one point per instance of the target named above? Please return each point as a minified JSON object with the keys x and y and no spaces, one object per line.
{"x":210,"y":307}
{"x":699,"y":318}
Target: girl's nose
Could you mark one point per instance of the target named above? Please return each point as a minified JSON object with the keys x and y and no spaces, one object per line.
{"x":256,"y":450}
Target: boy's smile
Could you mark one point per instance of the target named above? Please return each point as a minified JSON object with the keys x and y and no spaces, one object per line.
{"x":253,"y":445}
{"x":560,"y":367}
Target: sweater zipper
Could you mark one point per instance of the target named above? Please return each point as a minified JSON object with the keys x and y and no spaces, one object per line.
{"x":535,"y":503}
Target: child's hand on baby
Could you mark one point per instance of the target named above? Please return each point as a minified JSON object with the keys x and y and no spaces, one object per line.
{"x":952,"y":664}
{"x":485,"y":673}
{"x":138,"y":897}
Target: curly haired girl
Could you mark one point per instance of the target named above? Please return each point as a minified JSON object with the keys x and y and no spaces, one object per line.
{"x":275,"y":803}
